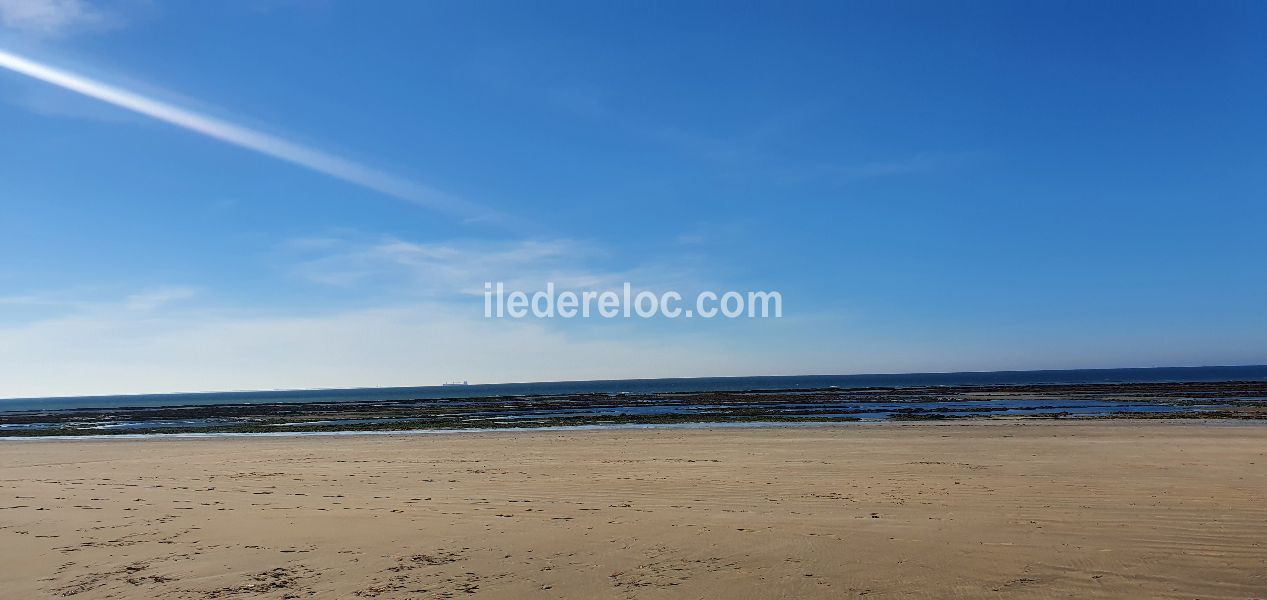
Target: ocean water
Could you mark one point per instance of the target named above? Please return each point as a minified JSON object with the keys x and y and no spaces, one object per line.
{"x":634,"y":386}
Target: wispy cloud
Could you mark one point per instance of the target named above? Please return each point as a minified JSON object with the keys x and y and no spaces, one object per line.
{"x":459,"y":268}
{"x":915,"y":164}
{"x":57,"y":103}
{"x":159,"y":297}
{"x":251,"y":139}
{"x":148,"y":299}
{"x":52,"y":17}
{"x":744,"y":144}
{"x":447,"y":267}
{"x":108,"y":348}
{"x":751,"y":147}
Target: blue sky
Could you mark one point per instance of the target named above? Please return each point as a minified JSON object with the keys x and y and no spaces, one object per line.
{"x":931,"y":186}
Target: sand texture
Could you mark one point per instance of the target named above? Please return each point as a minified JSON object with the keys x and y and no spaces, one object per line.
{"x":1117,"y":509}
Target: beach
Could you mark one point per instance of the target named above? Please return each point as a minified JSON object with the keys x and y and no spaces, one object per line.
{"x":971,"y":509}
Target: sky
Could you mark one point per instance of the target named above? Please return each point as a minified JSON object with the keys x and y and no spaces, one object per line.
{"x":274,"y":194}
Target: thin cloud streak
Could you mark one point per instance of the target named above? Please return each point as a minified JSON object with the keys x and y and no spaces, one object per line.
{"x":51,"y":17}
{"x":244,"y":137}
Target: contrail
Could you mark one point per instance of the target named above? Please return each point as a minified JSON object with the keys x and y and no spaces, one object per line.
{"x":316,"y":160}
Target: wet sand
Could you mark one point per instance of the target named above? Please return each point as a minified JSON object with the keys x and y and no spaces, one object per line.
{"x":1115,"y":509}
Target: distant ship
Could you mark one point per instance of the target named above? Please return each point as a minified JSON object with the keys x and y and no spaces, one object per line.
{"x":463,"y":382}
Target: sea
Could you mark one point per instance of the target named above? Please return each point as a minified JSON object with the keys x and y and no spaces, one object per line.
{"x":642,"y":386}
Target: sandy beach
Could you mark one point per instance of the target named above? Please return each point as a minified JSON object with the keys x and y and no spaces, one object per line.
{"x":1115,"y":509}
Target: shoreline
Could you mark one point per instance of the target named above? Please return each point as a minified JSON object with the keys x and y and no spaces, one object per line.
{"x":694,"y":426}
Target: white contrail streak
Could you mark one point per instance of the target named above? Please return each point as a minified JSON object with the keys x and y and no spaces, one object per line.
{"x":245,"y":137}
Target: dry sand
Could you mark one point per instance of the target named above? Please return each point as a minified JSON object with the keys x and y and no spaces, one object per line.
{"x":1012,"y":510}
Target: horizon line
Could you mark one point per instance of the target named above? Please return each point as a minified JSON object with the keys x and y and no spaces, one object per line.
{"x":631,"y":379}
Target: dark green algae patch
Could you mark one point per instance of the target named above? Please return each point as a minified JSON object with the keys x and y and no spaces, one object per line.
{"x":438,"y":425}
{"x":1197,"y":400}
